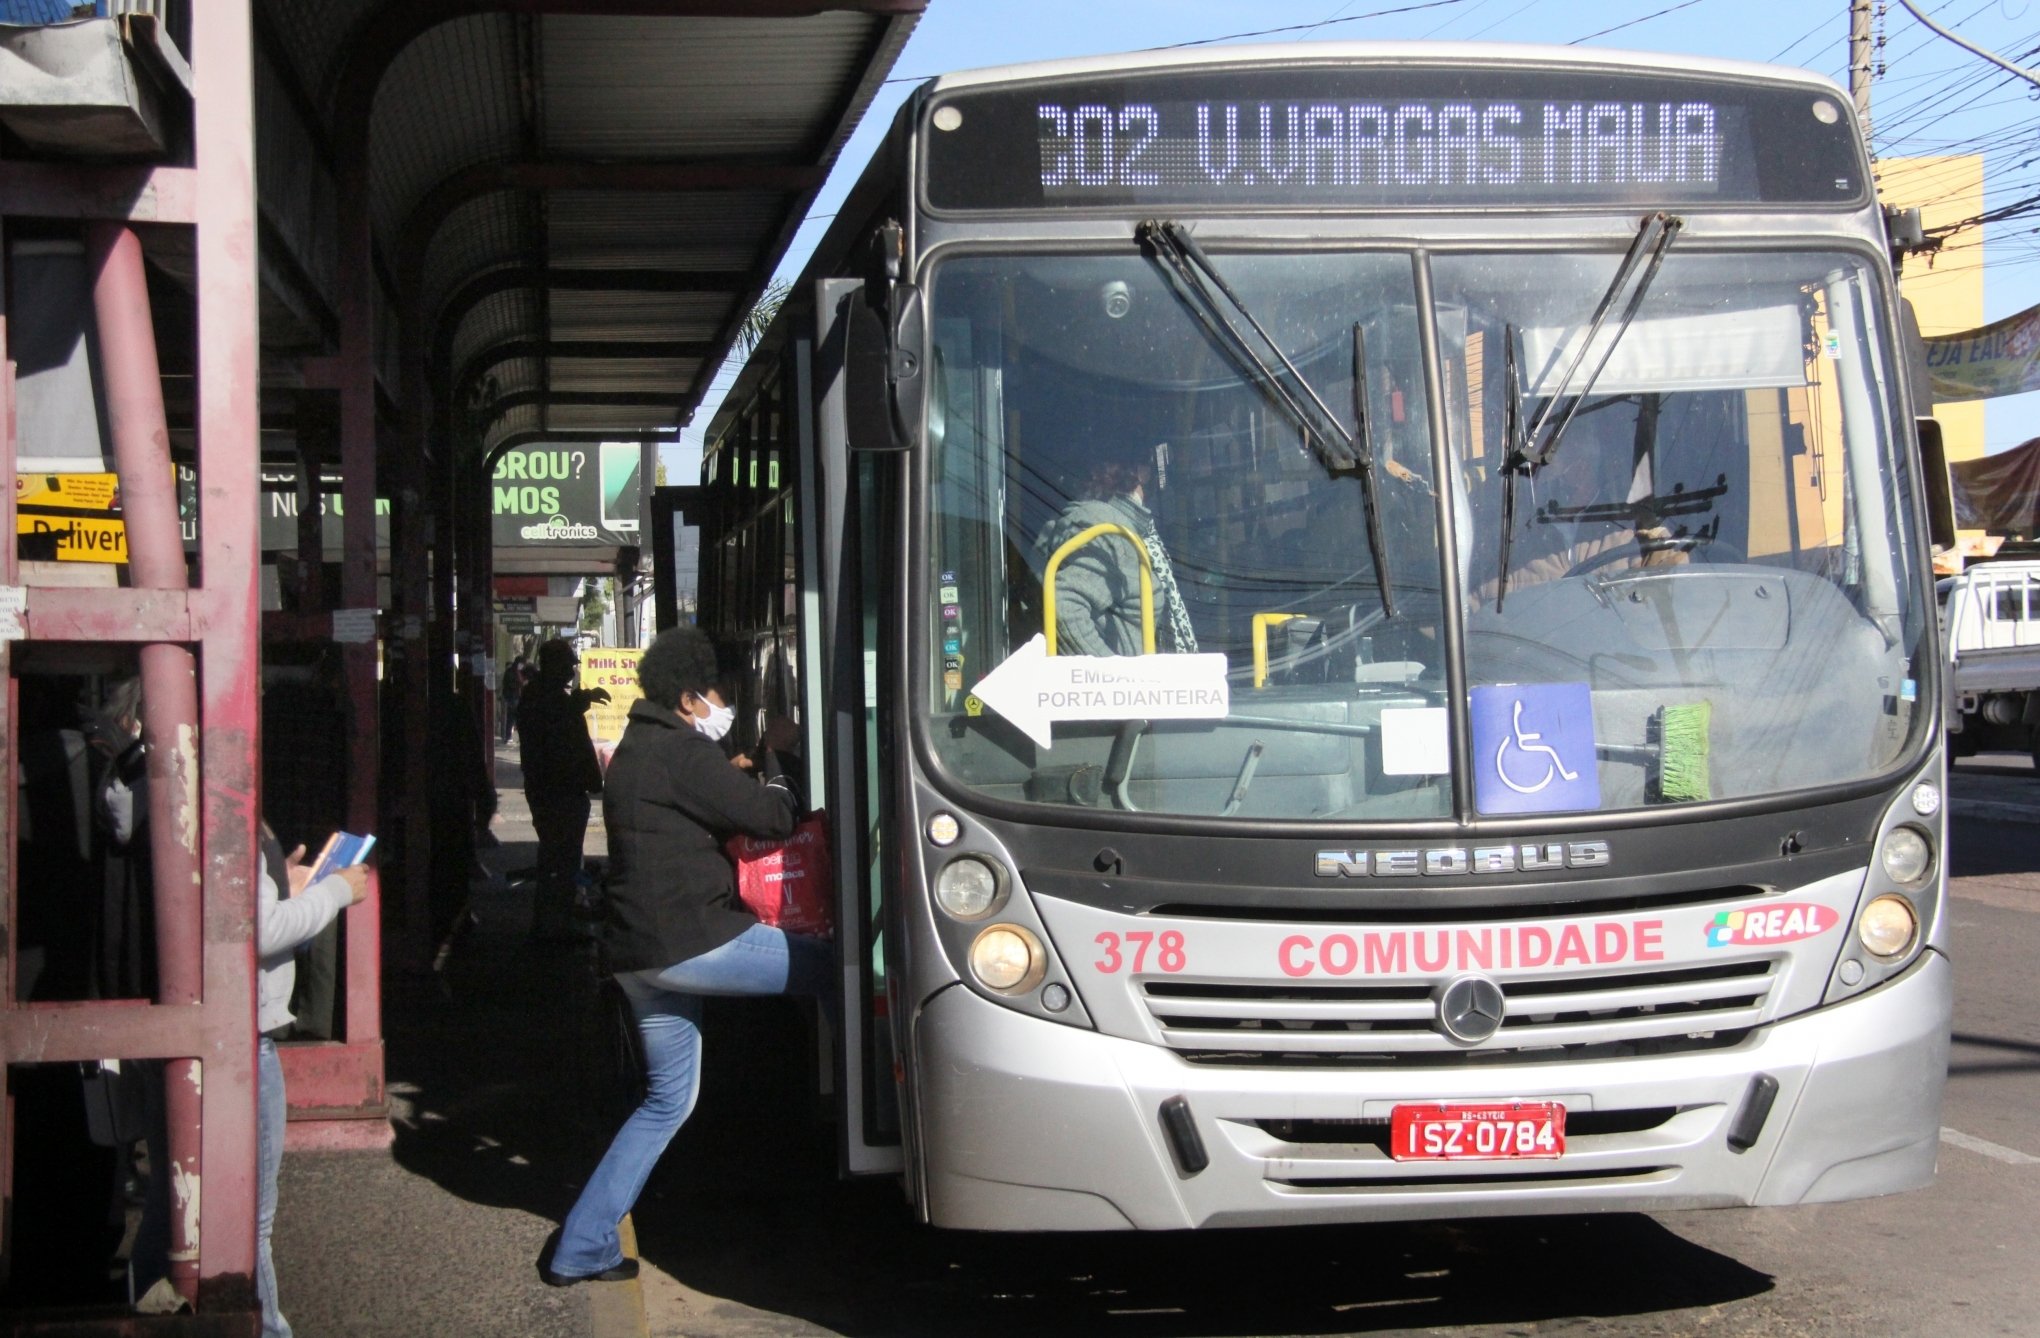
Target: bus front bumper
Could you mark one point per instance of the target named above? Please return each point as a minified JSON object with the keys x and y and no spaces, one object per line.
{"x":1033,"y":1126}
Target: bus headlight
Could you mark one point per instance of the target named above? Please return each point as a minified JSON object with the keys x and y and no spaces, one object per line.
{"x":1907,"y":855}
{"x":967,"y":888}
{"x":1887,"y":926}
{"x":1007,"y":959}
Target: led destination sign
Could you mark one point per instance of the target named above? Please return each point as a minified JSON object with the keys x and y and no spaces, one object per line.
{"x":1432,"y":147}
{"x":1357,"y":136}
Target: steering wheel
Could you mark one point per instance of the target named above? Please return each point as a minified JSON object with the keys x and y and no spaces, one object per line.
{"x":1717,"y":549}
{"x":1627,"y":551}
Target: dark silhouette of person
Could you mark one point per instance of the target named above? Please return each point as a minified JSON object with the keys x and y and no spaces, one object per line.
{"x":557,"y":756}
{"x":511,"y":693}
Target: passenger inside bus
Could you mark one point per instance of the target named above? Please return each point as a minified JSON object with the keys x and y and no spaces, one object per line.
{"x":1098,"y":608}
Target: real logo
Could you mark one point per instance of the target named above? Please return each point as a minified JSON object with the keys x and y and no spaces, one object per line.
{"x":1762,"y":926}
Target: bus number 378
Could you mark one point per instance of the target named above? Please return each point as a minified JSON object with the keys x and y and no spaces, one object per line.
{"x":1130,"y":950}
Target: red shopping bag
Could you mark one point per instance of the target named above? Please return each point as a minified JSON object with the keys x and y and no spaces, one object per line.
{"x":787,"y":882}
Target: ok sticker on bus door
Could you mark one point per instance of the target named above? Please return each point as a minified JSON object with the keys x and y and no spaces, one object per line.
{"x":1533,"y":748}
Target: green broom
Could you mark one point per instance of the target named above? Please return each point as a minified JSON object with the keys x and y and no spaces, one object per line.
{"x":1682,"y":751}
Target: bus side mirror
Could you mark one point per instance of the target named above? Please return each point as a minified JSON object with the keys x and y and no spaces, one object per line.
{"x":1940,"y":489}
{"x":885,"y":352}
{"x":867,"y":390}
{"x":908,"y":350}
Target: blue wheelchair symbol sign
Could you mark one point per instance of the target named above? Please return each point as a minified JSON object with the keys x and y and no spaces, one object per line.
{"x":1533,"y":748}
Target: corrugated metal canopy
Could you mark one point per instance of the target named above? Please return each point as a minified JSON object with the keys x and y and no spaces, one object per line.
{"x":574,"y":204}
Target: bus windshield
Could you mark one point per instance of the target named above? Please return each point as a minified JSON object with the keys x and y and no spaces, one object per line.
{"x":1707,"y":593}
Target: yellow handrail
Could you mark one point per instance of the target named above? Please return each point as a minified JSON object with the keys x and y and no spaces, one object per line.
{"x":1262,"y":622}
{"x":1147,"y":581}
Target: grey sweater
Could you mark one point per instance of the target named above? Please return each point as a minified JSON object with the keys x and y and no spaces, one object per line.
{"x":1097,"y":588}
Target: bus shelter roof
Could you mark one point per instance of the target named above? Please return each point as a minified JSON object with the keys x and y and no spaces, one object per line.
{"x":577,"y":202}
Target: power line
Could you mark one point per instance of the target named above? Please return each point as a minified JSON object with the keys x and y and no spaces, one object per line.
{"x":1801,"y":38}
{"x":1504,"y":19}
{"x":1671,"y":9}
{"x":1321,"y":23}
{"x":2028,"y":75}
{"x":1344,"y":5}
{"x":1478,"y":6}
{"x":1955,"y":80}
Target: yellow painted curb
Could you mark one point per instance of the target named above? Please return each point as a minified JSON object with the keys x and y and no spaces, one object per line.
{"x":617,"y":1310}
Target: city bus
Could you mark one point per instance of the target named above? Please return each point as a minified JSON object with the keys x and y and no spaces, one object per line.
{"x":1362,"y":617}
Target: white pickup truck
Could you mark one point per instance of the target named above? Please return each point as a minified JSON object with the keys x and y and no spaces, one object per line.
{"x":1990,"y":622}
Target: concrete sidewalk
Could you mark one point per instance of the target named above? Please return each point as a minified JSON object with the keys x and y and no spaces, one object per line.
{"x":490,"y":1094}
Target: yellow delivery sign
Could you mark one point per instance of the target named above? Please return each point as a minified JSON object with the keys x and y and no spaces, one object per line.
{"x":77,"y":492}
{"x":70,"y":517}
{"x":79,"y":539}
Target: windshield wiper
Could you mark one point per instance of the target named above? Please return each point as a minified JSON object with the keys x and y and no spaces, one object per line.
{"x":1199,"y":285}
{"x":1524,"y":455}
{"x":1515,"y":458}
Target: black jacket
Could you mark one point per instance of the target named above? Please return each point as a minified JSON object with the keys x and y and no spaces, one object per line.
{"x":555,"y":751}
{"x":672,"y":800}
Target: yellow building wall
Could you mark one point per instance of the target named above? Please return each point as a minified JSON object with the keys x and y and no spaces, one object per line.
{"x":1946,"y":289}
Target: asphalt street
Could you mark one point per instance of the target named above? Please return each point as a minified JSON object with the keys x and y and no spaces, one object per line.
{"x":736,"y":1247}
{"x":744,"y":1231}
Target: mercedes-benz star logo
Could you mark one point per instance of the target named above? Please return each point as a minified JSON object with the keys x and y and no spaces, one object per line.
{"x":1470,"y":1009}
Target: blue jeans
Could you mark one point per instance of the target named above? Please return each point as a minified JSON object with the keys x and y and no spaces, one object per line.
{"x":667,"y":1002}
{"x":269,"y":1117}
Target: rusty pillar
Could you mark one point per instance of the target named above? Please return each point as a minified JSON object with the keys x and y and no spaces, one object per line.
{"x":418,"y":565}
{"x":141,"y":446}
{"x":471,"y":587}
{"x":358,"y":584}
{"x":344,"y":1083}
{"x":318,"y":430}
{"x":10,"y":576}
{"x":230,"y":565}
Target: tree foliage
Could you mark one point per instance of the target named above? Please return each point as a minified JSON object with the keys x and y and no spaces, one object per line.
{"x":762,"y":313}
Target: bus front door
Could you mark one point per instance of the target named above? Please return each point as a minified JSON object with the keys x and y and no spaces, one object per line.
{"x":853,"y":505}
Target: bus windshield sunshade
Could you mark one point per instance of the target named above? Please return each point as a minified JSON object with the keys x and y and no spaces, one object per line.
{"x":1523,"y":455}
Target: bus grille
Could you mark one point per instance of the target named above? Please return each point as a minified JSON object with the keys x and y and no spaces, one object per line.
{"x":1617,"y":1014}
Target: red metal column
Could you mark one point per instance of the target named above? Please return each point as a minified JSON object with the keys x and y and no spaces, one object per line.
{"x":10,"y":576}
{"x":336,"y":1089}
{"x":141,"y":445}
{"x":230,"y":561}
{"x":204,"y":1020}
{"x":358,"y":590}
{"x":229,"y":459}
{"x":420,"y":558}
{"x":411,"y":592}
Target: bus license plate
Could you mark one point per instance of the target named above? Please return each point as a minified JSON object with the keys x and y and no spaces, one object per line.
{"x":1496,"y":1131}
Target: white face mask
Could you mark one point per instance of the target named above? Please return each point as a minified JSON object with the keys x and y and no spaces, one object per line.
{"x":718,"y":721}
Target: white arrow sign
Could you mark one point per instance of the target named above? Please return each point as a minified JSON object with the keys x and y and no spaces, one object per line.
{"x":1034,"y":689}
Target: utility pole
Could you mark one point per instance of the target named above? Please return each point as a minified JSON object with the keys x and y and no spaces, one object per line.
{"x":1859,"y":60}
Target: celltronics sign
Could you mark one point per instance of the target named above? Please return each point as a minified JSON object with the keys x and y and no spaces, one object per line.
{"x":1445,"y":861}
{"x":547,"y":495}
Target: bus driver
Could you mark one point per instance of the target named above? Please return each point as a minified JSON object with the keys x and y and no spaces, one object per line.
{"x":1097,"y":587}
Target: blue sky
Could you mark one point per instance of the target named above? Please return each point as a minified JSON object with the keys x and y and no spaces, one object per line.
{"x":1931,"y":97}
